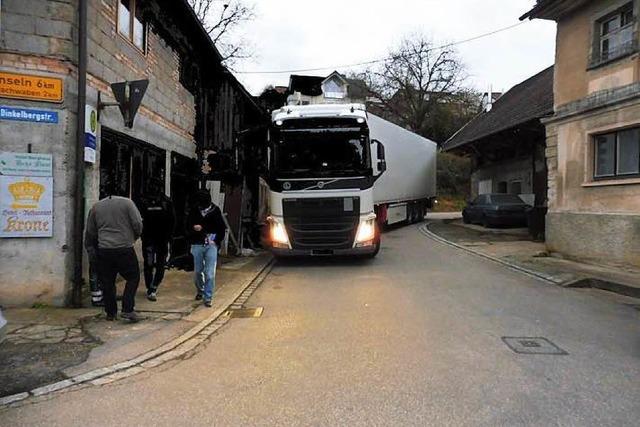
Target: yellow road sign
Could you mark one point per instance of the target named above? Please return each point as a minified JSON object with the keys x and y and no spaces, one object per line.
{"x":27,"y":86}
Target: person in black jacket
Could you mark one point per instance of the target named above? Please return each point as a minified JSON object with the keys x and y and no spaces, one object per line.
{"x":205,"y":230}
{"x":159,"y":218}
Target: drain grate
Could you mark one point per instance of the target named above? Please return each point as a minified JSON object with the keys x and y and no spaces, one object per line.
{"x":533,"y":345}
{"x":244,"y":313}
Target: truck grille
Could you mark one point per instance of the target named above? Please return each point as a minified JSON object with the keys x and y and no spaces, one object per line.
{"x":325,"y":223}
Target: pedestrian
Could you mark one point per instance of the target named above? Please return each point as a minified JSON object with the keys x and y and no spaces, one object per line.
{"x":113,"y":226}
{"x":158,"y":219}
{"x":205,"y":230}
{"x":94,"y":283}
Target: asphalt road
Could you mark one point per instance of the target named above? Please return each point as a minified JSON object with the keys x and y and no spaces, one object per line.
{"x":413,"y":337}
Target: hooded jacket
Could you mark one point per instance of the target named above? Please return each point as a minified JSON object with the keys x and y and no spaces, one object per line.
{"x":212,"y":223}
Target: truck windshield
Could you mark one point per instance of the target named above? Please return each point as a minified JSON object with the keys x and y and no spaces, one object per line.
{"x":322,"y":154}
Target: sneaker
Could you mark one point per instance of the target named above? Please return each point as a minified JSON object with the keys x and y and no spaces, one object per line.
{"x":207,"y":303}
{"x":132,"y":317}
{"x":151,"y":296}
{"x":111,"y":317}
{"x":198,"y":296}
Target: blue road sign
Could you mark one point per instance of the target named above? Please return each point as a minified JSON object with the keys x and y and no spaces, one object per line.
{"x":22,"y":114}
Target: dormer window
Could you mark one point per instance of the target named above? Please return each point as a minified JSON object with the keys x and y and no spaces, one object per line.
{"x":615,"y":36}
{"x":333,"y":89}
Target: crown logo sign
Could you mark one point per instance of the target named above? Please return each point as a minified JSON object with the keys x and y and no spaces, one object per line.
{"x":26,"y":194}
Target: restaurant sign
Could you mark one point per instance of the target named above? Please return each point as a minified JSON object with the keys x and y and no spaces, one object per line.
{"x":26,"y":195}
{"x":26,"y":206}
{"x":31,"y":87}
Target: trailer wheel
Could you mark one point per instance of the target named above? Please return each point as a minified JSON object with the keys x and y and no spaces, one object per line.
{"x":411,"y":213}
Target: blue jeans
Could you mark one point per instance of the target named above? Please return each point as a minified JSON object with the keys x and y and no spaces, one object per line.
{"x":205,"y":258}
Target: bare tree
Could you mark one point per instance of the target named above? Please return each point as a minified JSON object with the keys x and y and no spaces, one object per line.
{"x":221,"y":18}
{"x":415,"y":82}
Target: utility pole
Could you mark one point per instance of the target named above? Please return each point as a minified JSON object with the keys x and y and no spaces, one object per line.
{"x":79,"y":197}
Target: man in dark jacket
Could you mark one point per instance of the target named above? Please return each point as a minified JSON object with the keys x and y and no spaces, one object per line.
{"x":158,"y":218}
{"x":113,"y":226}
{"x":205,"y":230}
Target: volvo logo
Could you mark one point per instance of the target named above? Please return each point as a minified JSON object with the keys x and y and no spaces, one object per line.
{"x":286,"y":185}
{"x":320,"y":184}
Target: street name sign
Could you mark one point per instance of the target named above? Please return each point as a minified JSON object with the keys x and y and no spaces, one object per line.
{"x":23,"y":114}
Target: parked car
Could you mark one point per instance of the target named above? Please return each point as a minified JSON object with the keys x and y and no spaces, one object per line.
{"x":496,"y":209}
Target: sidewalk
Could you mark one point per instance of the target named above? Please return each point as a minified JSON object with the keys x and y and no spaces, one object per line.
{"x":44,"y":345}
{"x":514,"y":246}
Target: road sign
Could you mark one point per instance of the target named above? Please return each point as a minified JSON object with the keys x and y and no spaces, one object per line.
{"x":31,"y":87}
{"x":129,"y":96}
{"x":22,"y":114}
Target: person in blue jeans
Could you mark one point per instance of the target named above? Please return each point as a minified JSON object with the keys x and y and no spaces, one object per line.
{"x":205,"y":230}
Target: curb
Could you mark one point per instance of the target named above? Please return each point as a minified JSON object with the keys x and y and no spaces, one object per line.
{"x":582,"y":282}
{"x":535,"y":274}
{"x":171,"y":350}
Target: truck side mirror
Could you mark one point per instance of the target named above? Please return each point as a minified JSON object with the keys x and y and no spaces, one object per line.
{"x":382,"y":163}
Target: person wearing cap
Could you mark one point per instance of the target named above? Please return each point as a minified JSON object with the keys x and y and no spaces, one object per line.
{"x":205,"y":230}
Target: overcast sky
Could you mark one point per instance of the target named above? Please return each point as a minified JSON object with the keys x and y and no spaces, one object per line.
{"x":293,"y":34}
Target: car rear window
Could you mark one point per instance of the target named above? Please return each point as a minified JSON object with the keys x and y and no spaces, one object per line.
{"x":499,"y":199}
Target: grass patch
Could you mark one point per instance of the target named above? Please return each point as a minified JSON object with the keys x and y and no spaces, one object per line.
{"x":450,"y":204}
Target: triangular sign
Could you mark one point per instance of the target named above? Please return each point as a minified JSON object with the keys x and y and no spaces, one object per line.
{"x":129,"y":96}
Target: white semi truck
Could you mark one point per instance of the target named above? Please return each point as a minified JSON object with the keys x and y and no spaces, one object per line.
{"x":337,"y":174}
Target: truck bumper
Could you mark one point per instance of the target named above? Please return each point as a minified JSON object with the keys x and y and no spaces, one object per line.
{"x":281,"y":252}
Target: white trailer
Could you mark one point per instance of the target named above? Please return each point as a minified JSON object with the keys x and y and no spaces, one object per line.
{"x":408,"y":186}
{"x":335,"y":173}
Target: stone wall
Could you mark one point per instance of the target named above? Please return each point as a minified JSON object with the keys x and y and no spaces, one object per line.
{"x":599,"y":237}
{"x":37,"y":38}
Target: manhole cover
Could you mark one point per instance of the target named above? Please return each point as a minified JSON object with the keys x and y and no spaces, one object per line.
{"x":533,"y":345}
{"x":244,"y":313}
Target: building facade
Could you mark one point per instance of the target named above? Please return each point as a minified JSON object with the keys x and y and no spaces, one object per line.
{"x":593,"y":138}
{"x":507,"y":142}
{"x":192,"y":103}
{"x":332,"y":89}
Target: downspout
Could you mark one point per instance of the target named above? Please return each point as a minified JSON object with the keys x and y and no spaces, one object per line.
{"x":79,"y":197}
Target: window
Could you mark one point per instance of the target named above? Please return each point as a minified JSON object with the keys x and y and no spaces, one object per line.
{"x":617,"y":154}
{"x":615,"y":36}
{"x":502,"y":187}
{"x":515,"y":187}
{"x":130,"y":23}
{"x":333,"y":89}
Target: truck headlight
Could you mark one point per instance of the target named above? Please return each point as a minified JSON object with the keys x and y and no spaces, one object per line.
{"x":278,"y":234}
{"x":366,"y":233}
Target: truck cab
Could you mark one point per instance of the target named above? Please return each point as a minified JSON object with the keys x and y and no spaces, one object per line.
{"x":321,"y":169}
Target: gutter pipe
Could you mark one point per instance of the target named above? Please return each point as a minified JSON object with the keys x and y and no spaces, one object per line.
{"x":79,"y":195}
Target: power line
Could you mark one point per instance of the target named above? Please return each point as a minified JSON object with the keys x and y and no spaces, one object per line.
{"x":375,"y":61}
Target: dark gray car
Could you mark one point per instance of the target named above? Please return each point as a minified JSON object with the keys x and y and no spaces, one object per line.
{"x":496,"y":209}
